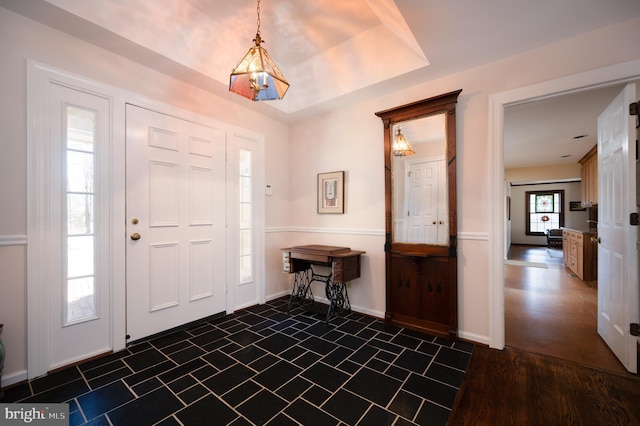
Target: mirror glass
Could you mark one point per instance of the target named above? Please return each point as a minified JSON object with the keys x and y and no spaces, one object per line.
{"x":419,"y":181}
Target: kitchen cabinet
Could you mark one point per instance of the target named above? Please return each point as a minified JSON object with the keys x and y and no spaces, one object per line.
{"x":580,"y":251}
{"x":590,"y":271}
{"x":573,"y":246}
{"x":589,"y":175}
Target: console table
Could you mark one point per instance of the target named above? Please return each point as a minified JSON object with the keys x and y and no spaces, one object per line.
{"x":344,"y":264}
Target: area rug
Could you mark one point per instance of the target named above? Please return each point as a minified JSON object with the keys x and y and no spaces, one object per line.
{"x":524,"y":263}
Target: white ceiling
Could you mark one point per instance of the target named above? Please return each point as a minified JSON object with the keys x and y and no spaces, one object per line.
{"x":334,"y":52}
{"x":554,"y":131}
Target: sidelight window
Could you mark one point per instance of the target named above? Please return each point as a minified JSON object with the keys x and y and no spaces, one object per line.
{"x":80,"y":235}
{"x":245,"y":219}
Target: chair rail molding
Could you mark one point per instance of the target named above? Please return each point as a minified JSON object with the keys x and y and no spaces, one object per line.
{"x":13,"y":240}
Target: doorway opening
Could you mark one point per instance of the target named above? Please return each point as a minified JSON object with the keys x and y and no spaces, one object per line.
{"x":551,"y":306}
{"x":622,"y":73}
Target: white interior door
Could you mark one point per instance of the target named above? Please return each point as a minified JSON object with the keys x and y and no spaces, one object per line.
{"x":617,"y":255}
{"x":175,"y":199}
{"x":424,"y":195}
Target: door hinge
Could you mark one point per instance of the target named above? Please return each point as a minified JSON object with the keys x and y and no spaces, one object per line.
{"x":633,"y":219}
{"x":633,"y":108}
{"x":634,"y":329}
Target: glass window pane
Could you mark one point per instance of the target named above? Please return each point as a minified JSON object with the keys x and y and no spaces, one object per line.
{"x":80,"y":129}
{"x":544,"y":203}
{"x":245,"y":163}
{"x":80,"y":210}
{"x":246,"y":269}
{"x":245,"y":216}
{"x":81,"y":303}
{"x":79,"y":172}
{"x":79,"y":214}
{"x":245,"y":242}
{"x":79,"y":256}
{"x":245,"y":222}
{"x":245,"y":189}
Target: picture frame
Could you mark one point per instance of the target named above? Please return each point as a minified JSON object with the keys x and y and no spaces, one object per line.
{"x":576,"y":206}
{"x":331,"y":193}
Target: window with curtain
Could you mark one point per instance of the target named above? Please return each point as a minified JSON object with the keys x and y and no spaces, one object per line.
{"x":544,"y":210}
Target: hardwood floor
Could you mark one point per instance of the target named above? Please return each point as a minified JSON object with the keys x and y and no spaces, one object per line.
{"x":512,"y":387}
{"x":555,"y":369}
{"x":551,"y":311}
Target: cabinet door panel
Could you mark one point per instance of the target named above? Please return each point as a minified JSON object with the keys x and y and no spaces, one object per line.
{"x":435,"y":290}
{"x":405,"y":285}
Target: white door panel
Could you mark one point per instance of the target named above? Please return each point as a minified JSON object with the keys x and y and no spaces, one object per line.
{"x":617,"y":252}
{"x":176,"y":203}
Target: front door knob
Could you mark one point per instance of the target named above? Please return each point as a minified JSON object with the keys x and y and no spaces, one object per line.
{"x":135,"y":236}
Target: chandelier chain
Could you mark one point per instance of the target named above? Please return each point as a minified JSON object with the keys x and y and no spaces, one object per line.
{"x":258,"y":21}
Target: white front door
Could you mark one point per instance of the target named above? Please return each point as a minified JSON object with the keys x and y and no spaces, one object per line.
{"x":617,"y":252}
{"x":175,"y":210}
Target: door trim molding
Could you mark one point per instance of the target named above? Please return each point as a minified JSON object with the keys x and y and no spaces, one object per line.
{"x":238,"y":297}
{"x":39,"y":79}
{"x":615,"y":74}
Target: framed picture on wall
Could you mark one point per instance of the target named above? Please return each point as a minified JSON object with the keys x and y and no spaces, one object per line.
{"x":331,"y":192}
{"x":576,"y":206}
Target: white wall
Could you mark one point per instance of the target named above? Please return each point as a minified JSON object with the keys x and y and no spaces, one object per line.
{"x":572,"y":219}
{"x":564,"y":172}
{"x":348,"y":139}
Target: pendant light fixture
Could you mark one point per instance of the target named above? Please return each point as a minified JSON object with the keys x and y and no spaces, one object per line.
{"x":257,"y":77}
{"x":400,"y":146}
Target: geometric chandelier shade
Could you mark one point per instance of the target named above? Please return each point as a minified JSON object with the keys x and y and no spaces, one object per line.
{"x":257,"y":77}
{"x":400,"y":146}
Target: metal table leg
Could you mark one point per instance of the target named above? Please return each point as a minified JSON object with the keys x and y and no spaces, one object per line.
{"x":338,"y":299}
{"x":301,"y":293}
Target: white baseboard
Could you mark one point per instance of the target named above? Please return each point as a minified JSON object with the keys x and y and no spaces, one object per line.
{"x":243,"y":306}
{"x":472,"y":337}
{"x":12,"y":379}
{"x":277,"y":295}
